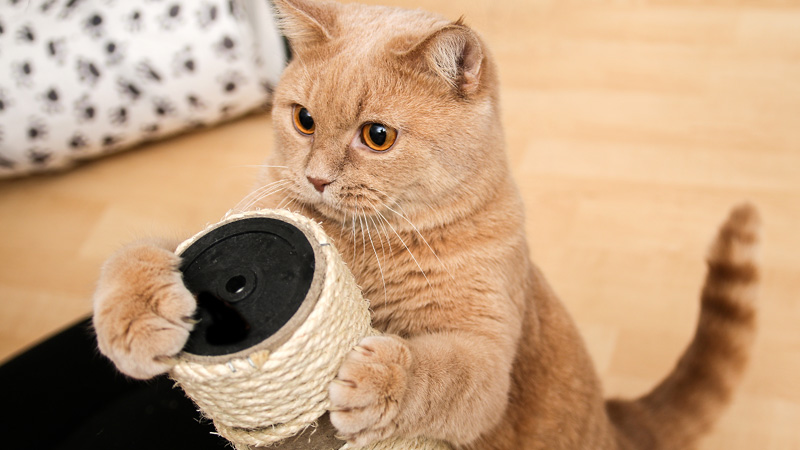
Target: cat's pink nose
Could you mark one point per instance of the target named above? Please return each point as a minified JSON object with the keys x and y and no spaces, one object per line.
{"x":319,"y":184}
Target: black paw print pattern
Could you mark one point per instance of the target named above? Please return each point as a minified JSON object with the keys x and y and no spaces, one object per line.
{"x":194,"y":102}
{"x":77,"y":141}
{"x":93,"y":24}
{"x":25,"y":35}
{"x":163,"y":107}
{"x":114,"y":51}
{"x":133,"y":21}
{"x":207,"y":15}
{"x":84,"y":77}
{"x":69,"y":8}
{"x":225,"y":47}
{"x":119,"y":115}
{"x":51,"y":100}
{"x":56,"y":49}
{"x":85,"y":110}
{"x":111,"y":140}
{"x":235,"y":9}
{"x":5,"y":101}
{"x":128,"y":89}
{"x":47,"y":5}
{"x":22,"y":72}
{"x":39,"y":156}
{"x":184,"y":63}
{"x":229,"y":82}
{"x":36,"y":130}
{"x":172,"y":17}
{"x":147,"y":72}
{"x":88,"y":72}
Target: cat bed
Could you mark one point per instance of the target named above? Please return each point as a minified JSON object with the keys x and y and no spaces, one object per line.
{"x":63,"y":395}
{"x":87,"y":78}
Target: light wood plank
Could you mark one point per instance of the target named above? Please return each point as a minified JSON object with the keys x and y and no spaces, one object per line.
{"x":632,"y":127}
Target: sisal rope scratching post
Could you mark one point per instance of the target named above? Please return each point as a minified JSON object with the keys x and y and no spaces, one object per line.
{"x":273,"y":392}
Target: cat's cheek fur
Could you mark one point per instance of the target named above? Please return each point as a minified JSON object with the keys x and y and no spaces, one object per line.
{"x":367,"y":394}
{"x":142,"y":310}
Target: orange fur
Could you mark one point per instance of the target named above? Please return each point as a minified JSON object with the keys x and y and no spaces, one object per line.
{"x":478,"y":350}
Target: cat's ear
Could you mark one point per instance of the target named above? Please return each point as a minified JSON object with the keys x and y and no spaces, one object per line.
{"x":306,"y":23}
{"x":453,"y":52}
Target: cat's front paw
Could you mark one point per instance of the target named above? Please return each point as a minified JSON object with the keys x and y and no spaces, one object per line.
{"x":142,"y":310}
{"x":367,"y":393}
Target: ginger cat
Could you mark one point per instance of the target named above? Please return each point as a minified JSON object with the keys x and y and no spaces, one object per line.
{"x":388,"y":132}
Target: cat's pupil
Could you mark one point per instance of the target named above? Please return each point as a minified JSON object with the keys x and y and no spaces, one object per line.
{"x":305,"y":119}
{"x":377,"y":133}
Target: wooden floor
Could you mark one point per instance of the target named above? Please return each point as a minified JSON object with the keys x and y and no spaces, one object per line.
{"x":632,"y":126}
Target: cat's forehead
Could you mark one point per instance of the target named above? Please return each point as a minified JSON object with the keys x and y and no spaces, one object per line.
{"x":377,"y":25}
{"x":365,"y":73}
{"x":352,"y":88}
{"x":364,"y":34}
{"x":358,"y":71}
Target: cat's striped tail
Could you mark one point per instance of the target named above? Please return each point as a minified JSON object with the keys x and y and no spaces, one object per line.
{"x":686,"y":403}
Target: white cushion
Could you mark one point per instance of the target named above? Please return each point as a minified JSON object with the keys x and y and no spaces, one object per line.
{"x":81,"y":78}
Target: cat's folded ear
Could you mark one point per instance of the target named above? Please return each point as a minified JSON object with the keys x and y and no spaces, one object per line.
{"x":452,"y":52}
{"x":306,"y":23}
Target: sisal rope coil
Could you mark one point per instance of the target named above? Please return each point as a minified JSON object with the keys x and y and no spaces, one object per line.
{"x":276,"y":390}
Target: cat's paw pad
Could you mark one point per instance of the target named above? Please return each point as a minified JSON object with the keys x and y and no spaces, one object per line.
{"x":151,"y":343}
{"x":143,"y":312}
{"x":367,"y":392}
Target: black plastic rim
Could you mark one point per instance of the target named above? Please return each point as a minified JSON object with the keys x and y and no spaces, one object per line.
{"x":250,"y":277}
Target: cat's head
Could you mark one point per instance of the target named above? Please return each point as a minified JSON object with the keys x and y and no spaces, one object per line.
{"x":385,"y":110}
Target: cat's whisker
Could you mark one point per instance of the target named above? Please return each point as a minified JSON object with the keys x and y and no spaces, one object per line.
{"x":247,"y":198}
{"x":353,"y":225}
{"x":292,"y":203}
{"x":383,"y":251}
{"x":289,"y":201}
{"x":414,"y":258}
{"x":341,"y":231}
{"x":268,"y":192}
{"x":388,"y":238}
{"x":259,"y":194}
{"x":263,"y":196}
{"x":280,"y":203}
{"x":268,"y":185}
{"x":378,"y":260}
{"x":343,"y":222}
{"x":363,"y":236}
{"x":284,"y":204}
{"x":388,"y":197}
{"x":380,"y":238}
{"x":403,"y":216}
{"x":260,"y":166}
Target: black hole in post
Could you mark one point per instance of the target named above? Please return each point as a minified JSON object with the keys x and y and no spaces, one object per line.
{"x":227,"y":326}
{"x":236,"y":284}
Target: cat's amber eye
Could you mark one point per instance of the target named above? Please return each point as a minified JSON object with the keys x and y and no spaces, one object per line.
{"x":378,"y":137}
{"x":303,"y":121}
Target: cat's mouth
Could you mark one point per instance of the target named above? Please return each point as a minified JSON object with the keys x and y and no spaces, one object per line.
{"x":347,"y":203}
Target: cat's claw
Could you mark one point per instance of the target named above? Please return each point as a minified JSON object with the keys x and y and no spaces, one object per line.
{"x":190,"y":320}
{"x":369,"y":388}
